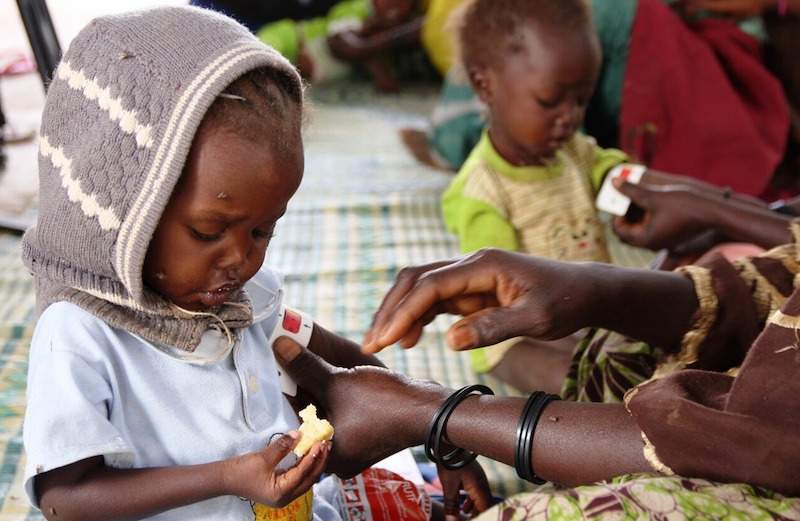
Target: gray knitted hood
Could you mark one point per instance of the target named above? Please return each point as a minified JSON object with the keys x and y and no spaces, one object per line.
{"x":118,"y":123}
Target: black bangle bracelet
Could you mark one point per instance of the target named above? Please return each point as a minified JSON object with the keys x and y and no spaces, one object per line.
{"x":458,"y":458}
{"x":523,"y":444}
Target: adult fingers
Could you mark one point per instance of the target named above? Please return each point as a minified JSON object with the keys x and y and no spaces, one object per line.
{"x":387,"y":313}
{"x":638,"y":193}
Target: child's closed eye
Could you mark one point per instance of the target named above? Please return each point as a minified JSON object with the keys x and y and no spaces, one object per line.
{"x":205,"y":237}
{"x":264,"y":234}
{"x":549,"y":103}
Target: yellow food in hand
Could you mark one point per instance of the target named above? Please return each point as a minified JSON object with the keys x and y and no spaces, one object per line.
{"x":312,"y":430}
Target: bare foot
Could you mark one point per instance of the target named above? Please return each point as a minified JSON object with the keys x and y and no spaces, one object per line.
{"x":416,"y":141}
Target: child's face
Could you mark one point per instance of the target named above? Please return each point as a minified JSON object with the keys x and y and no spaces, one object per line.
{"x":537,"y":97}
{"x":215,"y":230}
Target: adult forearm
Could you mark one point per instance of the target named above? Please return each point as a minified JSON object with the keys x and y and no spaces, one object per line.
{"x":650,"y":305}
{"x":574,"y":443}
{"x":745,"y":222}
{"x":338,"y":350}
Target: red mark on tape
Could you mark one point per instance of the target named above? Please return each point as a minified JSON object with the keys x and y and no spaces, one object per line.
{"x":292,"y":322}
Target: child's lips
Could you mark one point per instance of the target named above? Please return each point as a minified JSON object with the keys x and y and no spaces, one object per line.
{"x":218,"y":296}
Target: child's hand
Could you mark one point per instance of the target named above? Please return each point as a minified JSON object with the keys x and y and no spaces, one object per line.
{"x":256,"y":475}
{"x":471,"y":479}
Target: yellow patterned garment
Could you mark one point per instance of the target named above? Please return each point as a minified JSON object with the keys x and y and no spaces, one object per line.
{"x":298,"y":510}
{"x":540,"y":210}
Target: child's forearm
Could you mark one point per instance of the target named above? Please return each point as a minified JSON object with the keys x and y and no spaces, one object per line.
{"x":89,"y":490}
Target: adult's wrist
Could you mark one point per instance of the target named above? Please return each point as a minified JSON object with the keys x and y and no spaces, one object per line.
{"x":425,"y":399}
{"x":598,"y":288}
{"x":437,"y":448}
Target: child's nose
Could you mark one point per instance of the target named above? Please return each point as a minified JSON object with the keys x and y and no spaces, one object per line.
{"x":235,"y":256}
{"x":570,"y":115}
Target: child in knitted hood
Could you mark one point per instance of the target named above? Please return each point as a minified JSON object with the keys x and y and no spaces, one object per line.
{"x":170,"y":147}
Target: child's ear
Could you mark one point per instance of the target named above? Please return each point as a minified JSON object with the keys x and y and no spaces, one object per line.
{"x":481,"y":81}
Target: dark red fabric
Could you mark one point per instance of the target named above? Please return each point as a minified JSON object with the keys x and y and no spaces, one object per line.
{"x":698,"y":101}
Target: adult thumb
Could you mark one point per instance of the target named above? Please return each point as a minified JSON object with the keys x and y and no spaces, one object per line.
{"x":636,"y":193}
{"x":307,"y":369}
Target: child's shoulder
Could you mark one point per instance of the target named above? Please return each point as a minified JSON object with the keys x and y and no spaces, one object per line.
{"x":65,"y":326}
{"x":64,"y":314}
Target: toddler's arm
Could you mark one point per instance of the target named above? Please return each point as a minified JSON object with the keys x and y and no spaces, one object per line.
{"x":89,"y":490}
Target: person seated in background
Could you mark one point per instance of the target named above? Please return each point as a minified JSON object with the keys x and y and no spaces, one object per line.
{"x":254,"y":15}
{"x":333,"y":40}
{"x":397,"y":26}
{"x":299,"y":29}
{"x":305,"y":42}
{"x":714,"y":433}
{"x":681,"y":95}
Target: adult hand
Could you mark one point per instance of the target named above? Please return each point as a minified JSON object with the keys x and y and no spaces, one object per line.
{"x":500,"y":294}
{"x":670,"y":215}
{"x":374,"y":412}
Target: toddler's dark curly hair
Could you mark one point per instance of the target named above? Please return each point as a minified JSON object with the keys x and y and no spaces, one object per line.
{"x":488,"y":30}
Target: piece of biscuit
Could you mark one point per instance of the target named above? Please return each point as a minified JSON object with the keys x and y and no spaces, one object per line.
{"x":312,"y":430}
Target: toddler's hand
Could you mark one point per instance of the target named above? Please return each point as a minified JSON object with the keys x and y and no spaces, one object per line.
{"x":259,"y":477}
{"x":471,"y":479}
